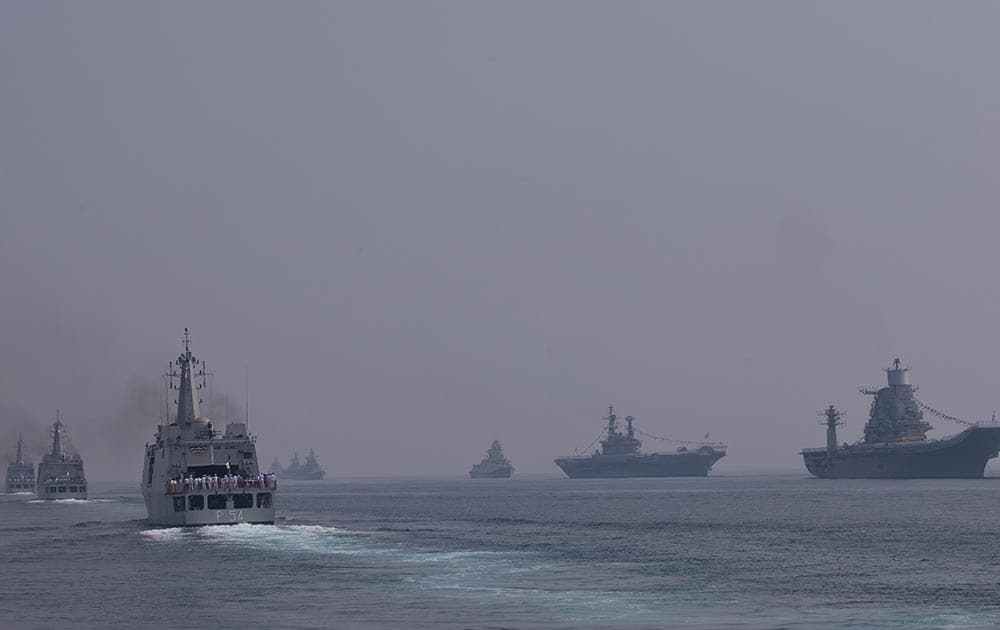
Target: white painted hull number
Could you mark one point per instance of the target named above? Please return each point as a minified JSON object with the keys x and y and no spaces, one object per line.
{"x":230,"y":516}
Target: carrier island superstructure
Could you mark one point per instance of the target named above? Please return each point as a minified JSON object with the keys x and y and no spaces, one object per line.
{"x":194,"y":474}
{"x":895,"y":443}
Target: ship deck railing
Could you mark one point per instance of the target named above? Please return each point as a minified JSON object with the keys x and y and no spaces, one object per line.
{"x":204,"y":484}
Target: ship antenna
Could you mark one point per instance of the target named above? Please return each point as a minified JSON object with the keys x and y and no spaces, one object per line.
{"x":168,"y":384}
{"x":246,"y":400}
{"x":161,"y":400}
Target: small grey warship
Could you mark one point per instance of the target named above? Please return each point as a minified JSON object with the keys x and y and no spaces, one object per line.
{"x":196,"y":475}
{"x":620,"y":457}
{"x":20,"y":472}
{"x":895,"y":444}
{"x":60,"y":473}
{"x":494,"y":466}
{"x":308,"y":471}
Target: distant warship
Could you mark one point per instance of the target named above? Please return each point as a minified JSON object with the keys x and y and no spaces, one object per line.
{"x":620,"y":457}
{"x":60,"y":473}
{"x":493,"y":466}
{"x":895,"y":443}
{"x":275,"y":467}
{"x":310,"y":470}
{"x":196,"y":475}
{"x":20,"y":472}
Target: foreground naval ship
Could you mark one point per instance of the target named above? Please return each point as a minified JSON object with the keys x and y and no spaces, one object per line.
{"x":895,"y":443}
{"x":194,"y":474}
{"x":20,"y":472}
{"x":60,"y":473}
{"x":310,"y":470}
{"x":494,"y":465}
{"x":620,"y":457}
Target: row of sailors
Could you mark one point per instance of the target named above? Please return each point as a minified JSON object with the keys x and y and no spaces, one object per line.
{"x":225,"y":482}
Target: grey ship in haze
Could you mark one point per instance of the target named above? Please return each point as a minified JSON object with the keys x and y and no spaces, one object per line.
{"x":494,"y":466}
{"x":196,"y":475}
{"x":895,"y":443}
{"x":20,"y":472}
{"x":60,"y":473}
{"x":620,"y":457}
{"x":299,"y":471}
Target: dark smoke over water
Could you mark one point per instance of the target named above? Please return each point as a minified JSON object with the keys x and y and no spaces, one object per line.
{"x":114,"y":444}
{"x":221,"y":408}
{"x":132,"y":423}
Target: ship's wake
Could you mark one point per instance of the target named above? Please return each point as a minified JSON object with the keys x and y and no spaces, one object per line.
{"x":504,"y":576}
{"x":72,"y":501}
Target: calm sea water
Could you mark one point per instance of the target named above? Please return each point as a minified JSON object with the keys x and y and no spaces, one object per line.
{"x":716,"y":552}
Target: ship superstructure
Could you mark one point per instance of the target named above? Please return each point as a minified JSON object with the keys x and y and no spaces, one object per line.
{"x":60,"y":473}
{"x":494,"y":466}
{"x":194,"y":474}
{"x":620,"y":456}
{"x":20,"y":472}
{"x":895,"y":443}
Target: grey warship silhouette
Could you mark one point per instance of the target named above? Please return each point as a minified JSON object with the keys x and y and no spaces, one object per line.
{"x":620,"y":457}
{"x":60,"y":473}
{"x":895,"y":444}
{"x":20,"y":472}
{"x":311,"y":470}
{"x":494,"y":466}
{"x":196,"y":475}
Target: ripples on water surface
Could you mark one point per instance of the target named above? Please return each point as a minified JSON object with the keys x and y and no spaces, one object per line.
{"x":724,"y":551}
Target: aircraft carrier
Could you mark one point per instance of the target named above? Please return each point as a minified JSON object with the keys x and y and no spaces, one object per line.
{"x":620,"y":457}
{"x":895,"y":444}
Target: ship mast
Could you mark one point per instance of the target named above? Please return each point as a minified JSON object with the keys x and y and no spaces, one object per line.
{"x":20,"y":457}
{"x":612,"y":418}
{"x":56,"y":438}
{"x":187,"y":399}
{"x":187,"y":402}
{"x":832,"y":418}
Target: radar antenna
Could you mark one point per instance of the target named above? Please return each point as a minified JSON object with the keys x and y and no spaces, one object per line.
{"x":832,"y":417}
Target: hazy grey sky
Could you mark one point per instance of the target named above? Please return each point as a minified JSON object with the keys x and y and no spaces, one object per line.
{"x":426,"y":225}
